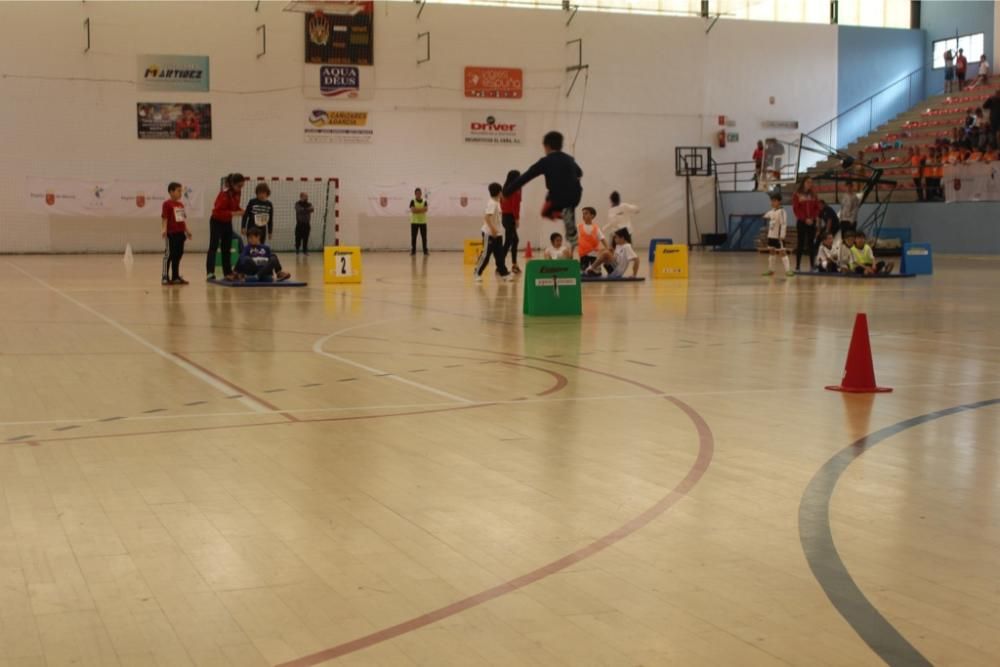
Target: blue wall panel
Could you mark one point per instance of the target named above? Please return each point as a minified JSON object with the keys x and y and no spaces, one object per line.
{"x":940,"y":19}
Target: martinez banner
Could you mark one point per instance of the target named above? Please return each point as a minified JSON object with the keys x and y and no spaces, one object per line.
{"x":176,"y":73}
{"x":159,"y":120}
{"x":493,"y":128}
{"x":338,"y":127}
{"x":105,"y":198}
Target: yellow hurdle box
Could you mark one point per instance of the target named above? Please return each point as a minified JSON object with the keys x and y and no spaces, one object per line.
{"x":341,"y":264}
{"x":671,"y":261}
{"x":473,"y":248}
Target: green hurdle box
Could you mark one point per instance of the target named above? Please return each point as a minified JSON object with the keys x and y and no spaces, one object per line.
{"x":552,"y":287}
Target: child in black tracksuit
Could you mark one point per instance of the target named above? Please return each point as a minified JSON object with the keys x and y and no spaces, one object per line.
{"x":259,"y":214}
{"x":562,"y":178}
{"x":257,"y":262}
{"x":303,"y":219}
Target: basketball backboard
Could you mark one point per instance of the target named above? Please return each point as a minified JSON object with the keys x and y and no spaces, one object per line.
{"x":693,"y":160}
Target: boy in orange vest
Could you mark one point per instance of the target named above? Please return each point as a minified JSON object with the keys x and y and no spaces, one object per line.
{"x":591,"y":238}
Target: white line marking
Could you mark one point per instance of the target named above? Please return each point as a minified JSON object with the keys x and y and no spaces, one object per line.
{"x":318,"y":349}
{"x":256,"y":406}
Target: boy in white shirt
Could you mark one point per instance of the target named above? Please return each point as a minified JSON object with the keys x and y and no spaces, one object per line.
{"x":844,"y":254}
{"x":557,"y":250}
{"x":621,"y":258}
{"x":492,"y":237}
{"x":828,"y":258}
{"x":620,"y":214}
{"x":777,"y":227}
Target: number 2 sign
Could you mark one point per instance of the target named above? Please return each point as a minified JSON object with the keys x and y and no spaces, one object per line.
{"x":341,"y":264}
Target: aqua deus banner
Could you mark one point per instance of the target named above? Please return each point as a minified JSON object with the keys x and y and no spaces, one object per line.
{"x":177,"y":73}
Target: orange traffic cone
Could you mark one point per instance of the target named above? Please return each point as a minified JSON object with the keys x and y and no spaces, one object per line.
{"x":859,"y":371}
{"x":527,"y":251}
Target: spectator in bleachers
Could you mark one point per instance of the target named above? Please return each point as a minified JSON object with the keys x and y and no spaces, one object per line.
{"x":961,"y":66}
{"x":993,"y":106}
{"x":949,"y":71}
{"x":806,"y":207}
{"x":934,"y":172}
{"x":917,"y":171}
{"x":850,"y":201}
{"x":983,"y":75}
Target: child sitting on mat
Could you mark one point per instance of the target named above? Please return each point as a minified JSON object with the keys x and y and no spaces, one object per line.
{"x":621,"y":258}
{"x":863,"y":262}
{"x":557,"y":250}
{"x":844,"y":253}
{"x":257,"y":262}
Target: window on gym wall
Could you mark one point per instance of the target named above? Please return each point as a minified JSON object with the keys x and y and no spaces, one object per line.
{"x":876,"y":13}
{"x":971,"y":44}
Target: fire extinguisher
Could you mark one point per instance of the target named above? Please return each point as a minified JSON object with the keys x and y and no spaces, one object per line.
{"x":722,"y":138}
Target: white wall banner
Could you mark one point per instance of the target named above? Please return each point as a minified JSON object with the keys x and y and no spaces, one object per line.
{"x":105,"y":198}
{"x":461,"y":200}
{"x":976,"y":181}
{"x":338,"y":127}
{"x":493,"y":128}
{"x":160,"y":72}
{"x":448,"y":200}
{"x":394,"y":200}
{"x":338,"y":82}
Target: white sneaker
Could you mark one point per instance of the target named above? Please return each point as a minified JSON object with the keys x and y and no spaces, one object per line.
{"x":210,"y":277}
{"x":508,"y":278}
{"x":478,"y":278}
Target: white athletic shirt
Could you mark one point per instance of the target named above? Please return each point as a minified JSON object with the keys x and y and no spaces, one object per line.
{"x":828,"y":255}
{"x":623,"y":255}
{"x":493,"y":211}
{"x":620,"y":217}
{"x":556,"y":253}
{"x":777,"y":223}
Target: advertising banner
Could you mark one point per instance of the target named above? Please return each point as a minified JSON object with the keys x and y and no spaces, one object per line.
{"x":105,"y":198}
{"x":974,"y":181}
{"x":160,"y":120}
{"x":339,"y":82}
{"x":176,"y":73}
{"x":494,"y":82}
{"x":338,"y":127}
{"x":493,"y":128}
{"x":394,"y":200}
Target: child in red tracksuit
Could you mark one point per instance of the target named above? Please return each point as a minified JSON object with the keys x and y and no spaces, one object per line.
{"x":510,"y":209}
{"x":806,"y":206}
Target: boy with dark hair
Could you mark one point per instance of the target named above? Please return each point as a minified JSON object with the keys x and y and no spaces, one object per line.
{"x":863,"y":259}
{"x":492,"y":237}
{"x":591,"y":240}
{"x":259,"y":214}
{"x":303,"y":223}
{"x":557,"y":250}
{"x":173,"y":229}
{"x":562,"y":178}
{"x":418,"y":221}
{"x":777,"y":228}
{"x":257,"y":262}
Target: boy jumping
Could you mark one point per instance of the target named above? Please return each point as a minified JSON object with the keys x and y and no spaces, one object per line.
{"x":562,"y":178}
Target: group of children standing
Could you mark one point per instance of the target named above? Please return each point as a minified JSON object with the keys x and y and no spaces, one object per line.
{"x":562,"y":179}
{"x":256,"y":260}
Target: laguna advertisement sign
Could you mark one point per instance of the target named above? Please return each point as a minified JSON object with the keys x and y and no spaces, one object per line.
{"x":339,"y":82}
{"x":338,"y":127}
{"x":497,"y":128}
{"x":170,"y":72}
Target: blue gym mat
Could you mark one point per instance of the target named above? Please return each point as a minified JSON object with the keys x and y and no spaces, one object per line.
{"x":257,"y":283}
{"x":602,"y":279}
{"x":855,"y":276}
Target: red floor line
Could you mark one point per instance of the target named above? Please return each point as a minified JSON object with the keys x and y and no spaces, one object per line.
{"x":706,"y":447}
{"x":236,"y":387}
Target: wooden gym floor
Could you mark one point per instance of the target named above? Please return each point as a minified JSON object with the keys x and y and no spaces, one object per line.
{"x":408,"y":472}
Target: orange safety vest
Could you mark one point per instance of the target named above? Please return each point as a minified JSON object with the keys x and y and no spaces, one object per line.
{"x":588,"y":243}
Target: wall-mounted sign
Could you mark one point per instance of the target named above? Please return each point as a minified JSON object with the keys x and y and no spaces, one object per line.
{"x":494,"y":82}
{"x":339,"y":82}
{"x":494,"y":128}
{"x":781,"y":124}
{"x":338,"y":127}
{"x":160,"y":120}
{"x":180,"y":73}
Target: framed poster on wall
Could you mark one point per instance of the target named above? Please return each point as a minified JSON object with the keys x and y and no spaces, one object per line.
{"x":173,"y":120}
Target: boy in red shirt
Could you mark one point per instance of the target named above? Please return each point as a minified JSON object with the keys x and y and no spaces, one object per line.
{"x":961,"y":66}
{"x":174,"y":230}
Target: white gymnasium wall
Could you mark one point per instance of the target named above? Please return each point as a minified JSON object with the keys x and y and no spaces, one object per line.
{"x":653,"y":83}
